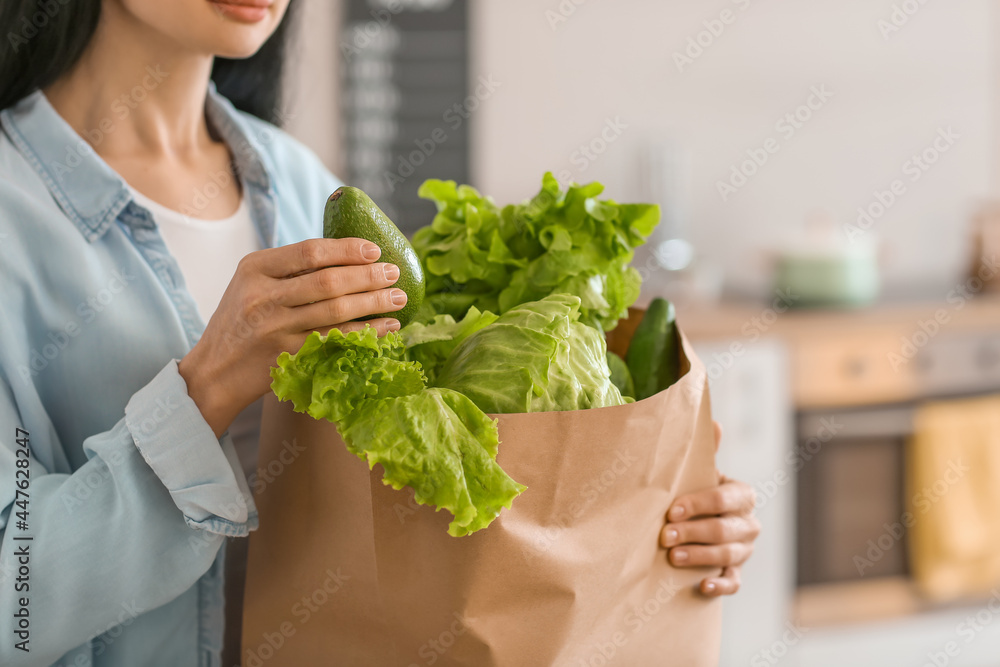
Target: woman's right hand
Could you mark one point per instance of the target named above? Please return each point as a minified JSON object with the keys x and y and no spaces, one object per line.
{"x":276,"y":299}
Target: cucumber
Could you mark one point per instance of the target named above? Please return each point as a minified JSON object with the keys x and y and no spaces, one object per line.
{"x":653,"y":356}
{"x":620,"y":375}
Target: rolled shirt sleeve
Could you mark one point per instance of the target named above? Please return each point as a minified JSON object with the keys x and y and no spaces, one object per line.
{"x":109,"y":536}
{"x":201,"y":473}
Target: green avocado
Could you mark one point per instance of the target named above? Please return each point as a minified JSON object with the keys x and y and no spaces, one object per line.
{"x":350,"y":213}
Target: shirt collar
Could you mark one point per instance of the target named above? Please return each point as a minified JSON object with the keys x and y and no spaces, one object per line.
{"x":88,"y":190}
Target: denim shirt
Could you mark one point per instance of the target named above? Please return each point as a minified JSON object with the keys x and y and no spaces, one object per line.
{"x":111,"y":546}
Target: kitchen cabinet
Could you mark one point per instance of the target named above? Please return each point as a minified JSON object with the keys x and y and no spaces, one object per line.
{"x":779,"y":380}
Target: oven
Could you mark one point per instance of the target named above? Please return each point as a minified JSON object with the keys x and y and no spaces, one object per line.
{"x":854,"y":510}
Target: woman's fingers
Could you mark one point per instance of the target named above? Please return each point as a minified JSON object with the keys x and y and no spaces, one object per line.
{"x":723,"y":539}
{"x":715,"y":530}
{"x":726,"y":584}
{"x":331,"y":312}
{"x":713,"y":555}
{"x":731,"y":497}
{"x":335,"y":281}
{"x":312,"y":254}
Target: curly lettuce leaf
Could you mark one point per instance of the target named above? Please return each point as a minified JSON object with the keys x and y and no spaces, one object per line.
{"x":442,"y":446}
{"x":560,"y":241}
{"x":330,"y":375}
{"x":434,"y":440}
{"x":460,"y":241}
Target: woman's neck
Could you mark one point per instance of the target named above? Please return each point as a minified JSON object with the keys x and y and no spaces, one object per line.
{"x":138,"y":93}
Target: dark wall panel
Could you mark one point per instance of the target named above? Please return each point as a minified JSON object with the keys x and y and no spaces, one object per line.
{"x":404,"y":68}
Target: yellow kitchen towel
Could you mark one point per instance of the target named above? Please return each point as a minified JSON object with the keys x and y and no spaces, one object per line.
{"x":953,"y":497}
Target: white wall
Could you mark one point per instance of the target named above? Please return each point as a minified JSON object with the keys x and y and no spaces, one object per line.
{"x":613,"y":59}
{"x":311,"y":101}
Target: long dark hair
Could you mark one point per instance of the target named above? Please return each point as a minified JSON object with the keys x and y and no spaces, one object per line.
{"x":45,"y":38}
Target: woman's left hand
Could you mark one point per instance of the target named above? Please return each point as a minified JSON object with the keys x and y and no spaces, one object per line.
{"x":715,"y":528}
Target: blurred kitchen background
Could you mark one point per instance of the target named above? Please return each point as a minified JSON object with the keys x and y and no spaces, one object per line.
{"x":828,"y":173}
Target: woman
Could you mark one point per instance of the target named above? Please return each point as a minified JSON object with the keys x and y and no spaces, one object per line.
{"x":137,"y":203}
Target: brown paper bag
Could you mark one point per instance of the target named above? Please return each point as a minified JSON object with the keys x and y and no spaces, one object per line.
{"x":347,"y":571}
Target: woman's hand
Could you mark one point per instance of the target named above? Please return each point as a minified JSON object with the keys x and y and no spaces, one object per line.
{"x":276,"y":299}
{"x":714,"y":527}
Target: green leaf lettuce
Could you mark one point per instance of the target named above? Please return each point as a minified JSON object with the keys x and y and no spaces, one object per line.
{"x":434,"y":440}
{"x":442,"y":446}
{"x":571,"y":242}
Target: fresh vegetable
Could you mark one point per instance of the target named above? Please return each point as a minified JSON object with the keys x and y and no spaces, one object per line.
{"x":567,"y":242}
{"x":620,"y":375}
{"x":438,"y":440}
{"x":350,"y":213}
{"x":431,"y":344}
{"x":537,"y":357}
{"x":442,"y":446}
{"x":434,"y":440}
{"x":554,"y":270}
{"x":653,"y":355}
{"x":331,"y":375}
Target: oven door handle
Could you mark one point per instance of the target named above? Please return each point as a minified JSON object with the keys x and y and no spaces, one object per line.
{"x":887,"y":422}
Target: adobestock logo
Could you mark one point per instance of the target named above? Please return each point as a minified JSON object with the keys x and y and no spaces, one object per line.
{"x":546,"y":536}
{"x":28,"y":27}
{"x":303,"y":610}
{"x":562,"y":13}
{"x":121,"y":109}
{"x":767,"y":489}
{"x":586,"y":154}
{"x":290,"y":451}
{"x":60,"y":339}
{"x":901,"y":15}
{"x":454,"y":117}
{"x":928,"y":329}
{"x":780,"y":648}
{"x":432,"y":650}
{"x":914,"y":169}
{"x":787,"y":126}
{"x":968,"y":630}
{"x":605,"y":652}
{"x":377,"y":32}
{"x":922,"y":502}
{"x":700,"y":42}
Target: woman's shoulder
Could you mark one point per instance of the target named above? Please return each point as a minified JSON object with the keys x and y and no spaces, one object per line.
{"x":18,"y":177}
{"x":27,"y":206}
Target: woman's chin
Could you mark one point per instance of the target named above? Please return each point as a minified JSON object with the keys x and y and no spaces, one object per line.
{"x":237,"y":44}
{"x":236,"y":53}
{"x":238,"y":29}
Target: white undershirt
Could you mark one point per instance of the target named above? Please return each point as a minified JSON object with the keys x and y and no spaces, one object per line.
{"x":207,"y":252}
